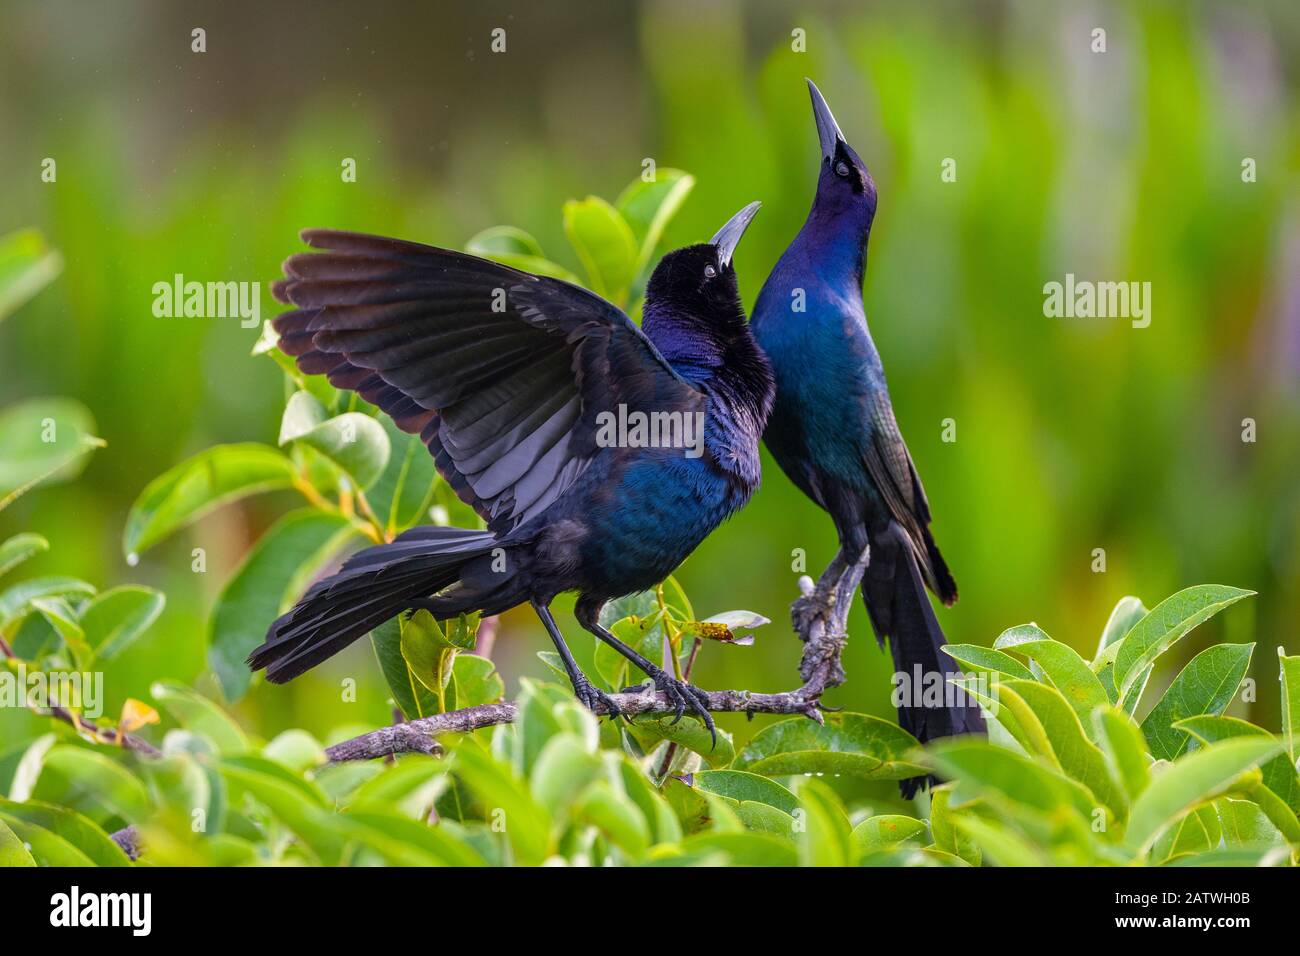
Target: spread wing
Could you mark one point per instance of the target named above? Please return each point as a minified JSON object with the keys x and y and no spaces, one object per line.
{"x":501,"y":373}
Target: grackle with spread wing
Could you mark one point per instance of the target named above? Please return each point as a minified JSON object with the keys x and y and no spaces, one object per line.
{"x":833,"y":432}
{"x":505,"y":376}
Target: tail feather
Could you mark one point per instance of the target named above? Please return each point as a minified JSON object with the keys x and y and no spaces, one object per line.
{"x":900,"y":610}
{"x":372,"y":587}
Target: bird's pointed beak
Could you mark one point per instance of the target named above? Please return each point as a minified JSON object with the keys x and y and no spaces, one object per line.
{"x":728,"y":237}
{"x":828,"y":131}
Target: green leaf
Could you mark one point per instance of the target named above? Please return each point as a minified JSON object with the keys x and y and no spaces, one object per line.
{"x":27,"y":265}
{"x":402,"y":495}
{"x":943,"y":827}
{"x":43,"y":439}
{"x":689,"y":732}
{"x":46,"y":848}
{"x":605,"y":245}
{"x":826,"y":836}
{"x":16,"y":601}
{"x":356,"y":443}
{"x":741,"y":849}
{"x":476,"y":681}
{"x":1126,"y":613}
{"x":1071,"y":749}
{"x":114,"y":619}
{"x":196,"y":713}
{"x":885,"y":831}
{"x":563,"y":769}
{"x":1003,"y":845}
{"x":747,"y":787}
{"x":412,"y":698}
{"x":1205,"y":686}
{"x":12,"y":850}
{"x":63,"y":620}
{"x":1197,"y":832}
{"x":1068,"y":672}
{"x":293,"y":802}
{"x":505,"y":797}
{"x":1122,"y":742}
{"x":1244,"y":824}
{"x":264,"y":584}
{"x":851,"y":744}
{"x":1279,"y":774}
{"x":1290,"y":678}
{"x":78,"y":830}
{"x":1199,"y":776}
{"x":92,"y":783}
{"x":427,"y":652}
{"x":1165,"y":624}
{"x":196,"y":486}
{"x":406,"y":842}
{"x":983,"y":659}
{"x":648,"y":207}
{"x":19,"y":548}
{"x":519,"y":250}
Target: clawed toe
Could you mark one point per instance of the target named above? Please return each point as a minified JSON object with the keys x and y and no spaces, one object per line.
{"x":591,"y":698}
{"x":683,"y":696}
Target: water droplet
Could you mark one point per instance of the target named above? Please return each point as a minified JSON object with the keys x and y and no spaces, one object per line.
{"x":133,"y":559}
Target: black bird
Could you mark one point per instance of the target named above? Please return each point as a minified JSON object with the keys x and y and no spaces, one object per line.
{"x":833,"y":432}
{"x":511,"y":380}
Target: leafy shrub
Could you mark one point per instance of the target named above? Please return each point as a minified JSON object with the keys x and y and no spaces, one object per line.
{"x":1068,"y":775}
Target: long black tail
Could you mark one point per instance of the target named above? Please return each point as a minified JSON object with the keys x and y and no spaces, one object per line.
{"x":372,"y":587}
{"x":900,"y":610}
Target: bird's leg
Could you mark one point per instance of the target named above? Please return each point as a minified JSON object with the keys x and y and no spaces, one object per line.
{"x":820,"y":616}
{"x":582,"y":687}
{"x":679,"y":693}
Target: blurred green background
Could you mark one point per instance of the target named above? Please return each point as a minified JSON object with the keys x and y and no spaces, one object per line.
{"x":1072,"y":435}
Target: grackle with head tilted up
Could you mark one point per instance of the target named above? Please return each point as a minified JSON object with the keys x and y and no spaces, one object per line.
{"x":509,"y":379}
{"x":833,"y":432}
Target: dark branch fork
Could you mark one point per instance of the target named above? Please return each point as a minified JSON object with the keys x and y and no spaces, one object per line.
{"x":819,"y":617}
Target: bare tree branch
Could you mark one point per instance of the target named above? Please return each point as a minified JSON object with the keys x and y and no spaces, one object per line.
{"x":819,"y":617}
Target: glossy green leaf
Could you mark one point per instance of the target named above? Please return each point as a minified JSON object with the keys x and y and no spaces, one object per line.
{"x":1125,"y":748}
{"x":689,"y":732}
{"x":12,"y":851}
{"x":1125,"y":614}
{"x":200,"y":715}
{"x":1279,"y":774}
{"x":1068,"y":672}
{"x":114,"y":619}
{"x":43,"y":440}
{"x":519,"y":250}
{"x":742,"y":786}
{"x":19,"y":548}
{"x":354,"y":442}
{"x":506,"y":798}
{"x":46,"y":847}
{"x":92,"y":783}
{"x":886,"y":830}
{"x":1196,"y":777}
{"x":1205,"y":686}
{"x":851,"y":744}
{"x":60,"y":616}
{"x":264,"y":585}
{"x":1290,"y":678}
{"x":648,"y":207}
{"x":77,"y":829}
{"x":1165,"y":624}
{"x":197,"y":485}
{"x":605,"y":245}
{"x":475,"y":681}
{"x":973,"y":657}
{"x":825,"y":837}
{"x":402,"y":495}
{"x":1073,"y":752}
{"x":412,"y":698}
{"x":406,"y":842}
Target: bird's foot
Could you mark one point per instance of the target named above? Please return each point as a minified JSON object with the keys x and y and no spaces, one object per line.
{"x":684,"y":696}
{"x":592,"y":697}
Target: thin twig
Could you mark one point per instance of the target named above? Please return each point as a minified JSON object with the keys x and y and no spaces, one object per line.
{"x":819,"y":617}
{"x":103,"y":735}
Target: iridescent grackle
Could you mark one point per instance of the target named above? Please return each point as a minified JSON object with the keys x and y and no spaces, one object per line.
{"x":833,"y":432}
{"x":505,"y":376}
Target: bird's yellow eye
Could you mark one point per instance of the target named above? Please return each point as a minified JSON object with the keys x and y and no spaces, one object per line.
{"x":710,"y":272}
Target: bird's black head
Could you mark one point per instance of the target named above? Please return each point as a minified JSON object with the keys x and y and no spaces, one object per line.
{"x":698,"y":282}
{"x":846,"y":193}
